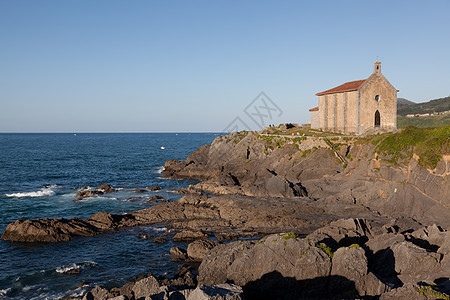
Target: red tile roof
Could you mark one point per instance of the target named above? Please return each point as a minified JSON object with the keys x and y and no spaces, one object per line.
{"x":314,"y":109}
{"x":346,"y":87}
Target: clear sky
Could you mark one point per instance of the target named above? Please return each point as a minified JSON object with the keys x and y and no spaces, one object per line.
{"x":150,"y":66}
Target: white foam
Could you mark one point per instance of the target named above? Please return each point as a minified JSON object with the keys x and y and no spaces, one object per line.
{"x":73,"y":266}
{"x":64,"y":269}
{"x":160,"y":169}
{"x":42,"y":193}
{"x":4,"y":292}
{"x":159,"y":229}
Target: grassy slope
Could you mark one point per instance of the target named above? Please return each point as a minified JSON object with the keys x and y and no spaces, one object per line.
{"x":429,"y":143}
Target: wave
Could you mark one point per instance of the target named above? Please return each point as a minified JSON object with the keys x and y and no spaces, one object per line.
{"x":160,"y":169}
{"x":4,"y":292}
{"x":42,"y":193}
{"x":69,"y":267}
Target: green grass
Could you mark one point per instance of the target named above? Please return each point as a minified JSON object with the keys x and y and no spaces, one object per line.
{"x":429,"y":143}
{"x":326,"y":249}
{"x":240,"y":136}
{"x":433,"y":291}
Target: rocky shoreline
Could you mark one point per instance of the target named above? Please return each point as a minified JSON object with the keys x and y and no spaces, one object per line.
{"x":307,"y":225}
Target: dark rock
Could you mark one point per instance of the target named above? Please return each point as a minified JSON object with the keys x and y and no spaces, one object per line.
{"x":224,"y":291}
{"x":145,"y":236}
{"x":155,"y":188}
{"x":160,"y":240}
{"x":85,"y":194}
{"x":73,"y":271}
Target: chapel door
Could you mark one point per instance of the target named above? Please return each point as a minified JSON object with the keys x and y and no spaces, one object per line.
{"x":377,"y":119}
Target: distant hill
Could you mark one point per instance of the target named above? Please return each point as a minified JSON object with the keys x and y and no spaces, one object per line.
{"x":433,"y":106}
{"x":403,"y":101}
{"x":406,"y":107}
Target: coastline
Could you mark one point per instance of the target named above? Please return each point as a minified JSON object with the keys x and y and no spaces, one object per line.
{"x":259,"y":195}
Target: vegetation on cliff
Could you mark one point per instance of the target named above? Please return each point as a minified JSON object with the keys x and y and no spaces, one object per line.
{"x":428,"y":143}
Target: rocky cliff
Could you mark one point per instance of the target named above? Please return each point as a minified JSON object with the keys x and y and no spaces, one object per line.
{"x":346,"y":170}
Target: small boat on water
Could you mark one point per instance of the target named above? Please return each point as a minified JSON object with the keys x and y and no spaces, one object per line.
{"x":162,"y":147}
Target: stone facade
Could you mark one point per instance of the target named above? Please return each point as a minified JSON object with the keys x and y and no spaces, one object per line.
{"x":357,"y":106}
{"x":315,"y":118}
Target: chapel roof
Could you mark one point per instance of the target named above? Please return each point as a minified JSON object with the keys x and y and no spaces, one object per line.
{"x":346,"y":87}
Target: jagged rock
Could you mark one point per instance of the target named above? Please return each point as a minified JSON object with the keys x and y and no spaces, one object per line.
{"x":430,"y":237}
{"x":106,"y":188}
{"x":197,"y":249}
{"x":343,"y":232}
{"x":224,"y":291}
{"x":73,"y":271}
{"x":144,"y":236}
{"x":411,"y":259}
{"x":146,"y":287}
{"x":384,"y":241}
{"x":178,"y":254}
{"x":155,"y":188}
{"x":97,"y":293}
{"x":84,"y":194}
{"x":160,"y":240}
{"x":103,"y":220}
{"x":125,"y":290}
{"x":351,"y":263}
{"x":410,"y":291}
{"x":243,"y":262}
{"x":189,"y":235}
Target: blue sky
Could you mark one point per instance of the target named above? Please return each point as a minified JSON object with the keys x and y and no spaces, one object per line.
{"x":150,"y":66}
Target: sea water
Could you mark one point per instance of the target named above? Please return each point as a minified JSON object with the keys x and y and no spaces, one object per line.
{"x":40,"y":175}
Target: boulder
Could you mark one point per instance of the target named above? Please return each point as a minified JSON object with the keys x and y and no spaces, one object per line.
{"x":223,"y":291}
{"x":146,"y":287}
{"x":243,"y":262}
{"x":411,"y":259}
{"x":155,"y":188}
{"x":85,"y":194}
{"x":106,"y":188}
{"x":409,"y":291}
{"x":343,"y":232}
{"x":178,"y":254}
{"x":97,"y":293}
{"x":197,"y":249}
{"x":351,"y":263}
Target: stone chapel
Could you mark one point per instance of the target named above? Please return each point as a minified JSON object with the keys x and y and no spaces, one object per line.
{"x":357,"y":106}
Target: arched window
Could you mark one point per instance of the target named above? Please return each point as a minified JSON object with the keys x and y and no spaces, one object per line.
{"x":377,"y":98}
{"x":377,"y":119}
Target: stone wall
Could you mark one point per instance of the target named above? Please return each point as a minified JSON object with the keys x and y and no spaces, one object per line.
{"x":338,"y":112}
{"x":315,"y":119}
{"x":386,"y":104}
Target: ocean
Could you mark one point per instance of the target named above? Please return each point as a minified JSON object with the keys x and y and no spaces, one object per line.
{"x":40,"y":174}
